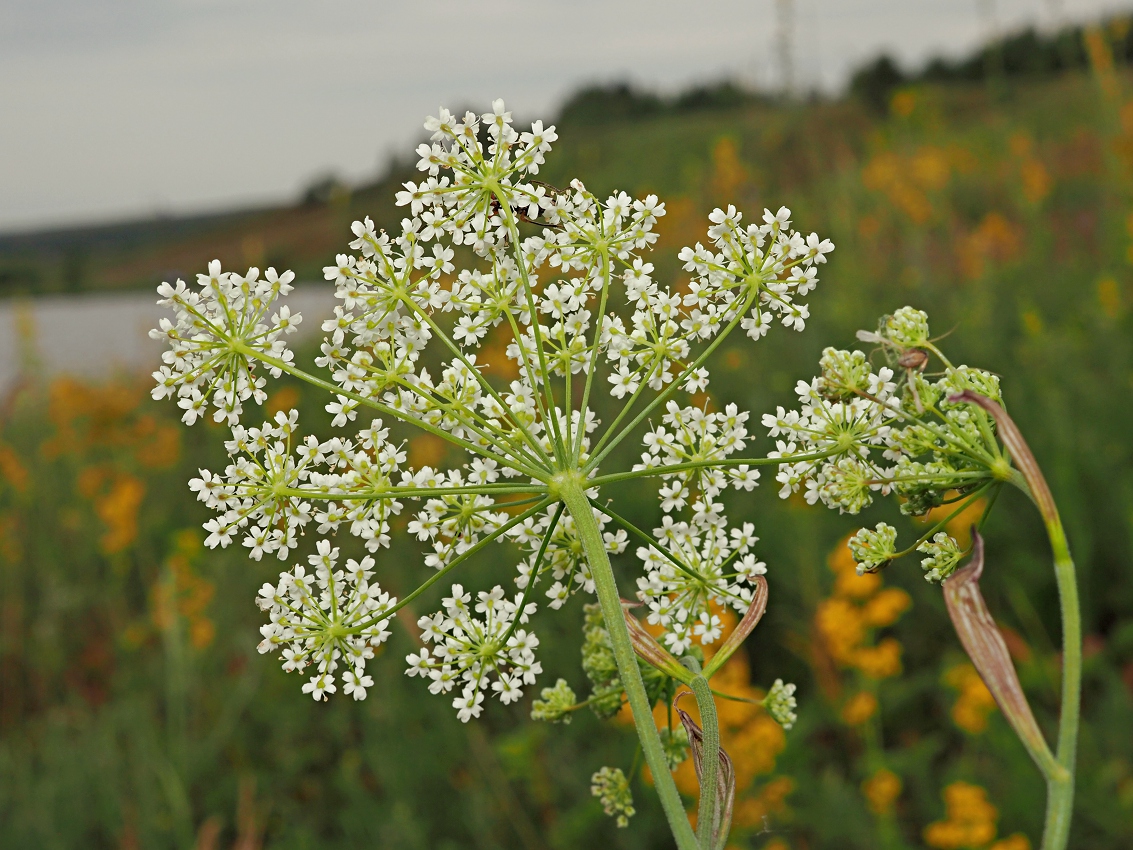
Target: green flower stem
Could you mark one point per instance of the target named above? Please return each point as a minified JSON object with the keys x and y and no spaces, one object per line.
{"x":574,"y":497}
{"x":1060,"y":787}
{"x":944,"y":522}
{"x":576,"y":451}
{"x":538,"y":490}
{"x":668,"y":391}
{"x":647,"y":540}
{"x":709,"y":760}
{"x":484,"y":382}
{"x":532,"y":308}
{"x":453,"y":564}
{"x":1059,"y":779}
{"x":533,"y":577}
{"x":671,"y":468}
{"x":314,"y":381}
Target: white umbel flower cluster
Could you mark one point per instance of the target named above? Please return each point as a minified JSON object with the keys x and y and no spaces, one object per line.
{"x":691,"y":564}
{"x":214,"y":337}
{"x":839,"y":425}
{"x":333,"y":618}
{"x":477,"y":653}
{"x":492,"y":273}
{"x":697,"y":563}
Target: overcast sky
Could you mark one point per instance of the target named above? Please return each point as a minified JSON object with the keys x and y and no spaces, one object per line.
{"x":118,"y":108}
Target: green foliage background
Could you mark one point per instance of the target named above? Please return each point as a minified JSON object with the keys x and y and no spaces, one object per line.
{"x":1003,"y":208}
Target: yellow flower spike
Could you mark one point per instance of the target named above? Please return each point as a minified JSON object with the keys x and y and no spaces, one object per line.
{"x":859,"y":709}
{"x":842,"y":628}
{"x":970,"y":820}
{"x":886,"y":607}
{"x":118,"y":510}
{"x":11,"y":470}
{"x":974,"y":702}
{"x":880,"y":662}
{"x":881,"y":791}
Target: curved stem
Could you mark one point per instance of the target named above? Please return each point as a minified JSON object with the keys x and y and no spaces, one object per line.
{"x":1059,"y":782}
{"x":1060,"y":788}
{"x":574,"y":497}
{"x":707,"y":815}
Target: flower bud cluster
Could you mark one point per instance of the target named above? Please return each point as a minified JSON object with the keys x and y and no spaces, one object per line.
{"x":873,"y":550}
{"x":601,"y":669}
{"x":943,"y":556}
{"x":780,"y":704}
{"x":612,"y":789}
{"x":894,"y":430}
{"x":556,"y":704}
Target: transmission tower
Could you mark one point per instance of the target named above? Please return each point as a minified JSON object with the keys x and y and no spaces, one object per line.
{"x":784,"y":44}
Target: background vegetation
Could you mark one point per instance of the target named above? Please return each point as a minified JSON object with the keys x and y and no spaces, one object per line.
{"x":135,"y":713}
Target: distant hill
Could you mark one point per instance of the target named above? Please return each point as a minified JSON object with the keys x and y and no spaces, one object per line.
{"x":677,"y":131}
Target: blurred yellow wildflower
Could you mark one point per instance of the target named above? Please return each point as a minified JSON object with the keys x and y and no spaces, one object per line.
{"x":859,"y":605}
{"x":12,"y":471}
{"x":974,"y":703}
{"x":994,"y":240}
{"x":116,"y":496}
{"x":183,"y":593}
{"x":1100,"y":54}
{"x":285,"y":398}
{"x":906,"y":179}
{"x":108,"y":417}
{"x":118,"y":510}
{"x":1032,"y":173}
{"x":1109,"y":297}
{"x":859,"y":708}
{"x":426,"y":450}
{"x":881,"y":791}
{"x":969,"y":819}
{"x":903,"y":103}
{"x":729,"y":175}
{"x":770,"y":800}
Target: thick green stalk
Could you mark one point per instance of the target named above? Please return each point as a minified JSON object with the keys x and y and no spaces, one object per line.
{"x":709,"y":761}
{"x":1060,"y":789}
{"x":571,"y":491}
